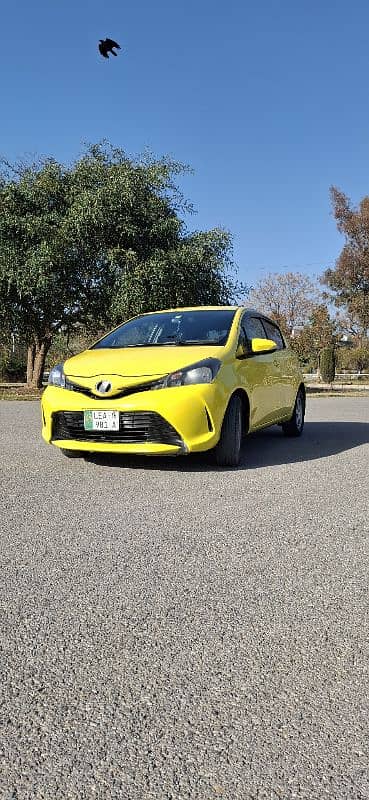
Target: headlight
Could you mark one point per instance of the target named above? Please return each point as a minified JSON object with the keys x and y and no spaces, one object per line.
{"x":57,"y":377}
{"x":202,"y":372}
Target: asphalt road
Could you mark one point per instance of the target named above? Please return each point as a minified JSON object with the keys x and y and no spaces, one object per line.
{"x":171,"y":631}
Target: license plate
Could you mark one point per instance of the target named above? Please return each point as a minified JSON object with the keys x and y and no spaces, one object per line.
{"x":101,"y":420}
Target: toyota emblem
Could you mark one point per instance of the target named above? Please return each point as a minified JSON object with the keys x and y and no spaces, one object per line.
{"x":103,"y":387}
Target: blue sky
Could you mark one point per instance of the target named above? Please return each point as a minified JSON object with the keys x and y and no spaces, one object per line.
{"x":267,"y":101}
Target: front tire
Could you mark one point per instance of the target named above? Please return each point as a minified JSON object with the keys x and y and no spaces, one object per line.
{"x":228,"y":449}
{"x":295,"y":425}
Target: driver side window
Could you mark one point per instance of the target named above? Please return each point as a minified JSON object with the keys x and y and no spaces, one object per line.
{"x":253,"y":328}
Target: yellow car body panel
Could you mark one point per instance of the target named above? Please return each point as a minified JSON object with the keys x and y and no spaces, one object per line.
{"x":268,"y":382}
{"x":137,"y":362}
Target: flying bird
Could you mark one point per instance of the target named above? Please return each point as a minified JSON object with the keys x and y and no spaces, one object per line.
{"x":106,"y":46}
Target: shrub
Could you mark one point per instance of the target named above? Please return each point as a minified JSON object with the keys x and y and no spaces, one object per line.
{"x":64,"y":346}
{"x":356,"y":359}
{"x":12,"y":368}
{"x":327,"y":363}
{"x":4,"y":362}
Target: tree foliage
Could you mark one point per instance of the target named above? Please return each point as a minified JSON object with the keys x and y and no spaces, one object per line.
{"x":349,"y":280}
{"x":288,"y":297}
{"x":93,"y":243}
{"x":327,"y":364}
{"x":355,"y":359}
{"x":319,"y":332}
{"x":195,"y":271}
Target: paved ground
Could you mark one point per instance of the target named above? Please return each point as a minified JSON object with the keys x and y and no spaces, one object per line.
{"x":172,"y":631}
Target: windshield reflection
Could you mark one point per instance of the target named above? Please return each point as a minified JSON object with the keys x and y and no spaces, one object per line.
{"x":182,"y":328}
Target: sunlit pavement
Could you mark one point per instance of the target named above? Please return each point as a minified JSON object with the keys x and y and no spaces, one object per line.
{"x":172,"y":630}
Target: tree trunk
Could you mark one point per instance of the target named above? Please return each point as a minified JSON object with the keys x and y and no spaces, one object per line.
{"x":37,"y":353}
{"x":39,"y":365}
{"x":30,"y":362}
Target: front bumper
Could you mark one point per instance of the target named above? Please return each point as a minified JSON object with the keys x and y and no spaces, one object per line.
{"x":186,"y":418}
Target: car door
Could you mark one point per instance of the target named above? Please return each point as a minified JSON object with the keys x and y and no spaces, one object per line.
{"x":285,"y":364}
{"x":259,"y":374}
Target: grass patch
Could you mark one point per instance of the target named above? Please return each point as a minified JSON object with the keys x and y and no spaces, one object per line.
{"x":19,"y":392}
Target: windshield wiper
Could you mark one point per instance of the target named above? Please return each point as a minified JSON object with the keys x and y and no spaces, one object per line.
{"x":139,"y":344}
{"x":182,"y":342}
{"x":169,"y":343}
{"x":198,"y":341}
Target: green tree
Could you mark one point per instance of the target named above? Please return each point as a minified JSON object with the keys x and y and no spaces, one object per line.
{"x":96,"y":242}
{"x":194,"y":272}
{"x":319,"y":332}
{"x":327,"y":363}
{"x":355,"y":358}
{"x":349,"y":280}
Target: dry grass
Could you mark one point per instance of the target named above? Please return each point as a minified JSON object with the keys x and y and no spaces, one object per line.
{"x":19,"y":392}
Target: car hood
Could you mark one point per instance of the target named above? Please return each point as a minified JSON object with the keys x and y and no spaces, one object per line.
{"x":137,"y":362}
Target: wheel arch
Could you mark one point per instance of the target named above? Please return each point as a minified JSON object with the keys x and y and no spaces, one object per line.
{"x":245,"y":408}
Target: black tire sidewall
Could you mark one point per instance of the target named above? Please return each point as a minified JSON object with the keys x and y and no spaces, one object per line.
{"x":228,"y":449}
{"x":291,"y":428}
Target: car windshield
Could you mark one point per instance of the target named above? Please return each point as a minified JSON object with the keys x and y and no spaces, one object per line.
{"x":171,"y":328}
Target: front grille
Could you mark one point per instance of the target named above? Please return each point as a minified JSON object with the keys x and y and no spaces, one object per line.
{"x":75,"y":387}
{"x":135,"y":427}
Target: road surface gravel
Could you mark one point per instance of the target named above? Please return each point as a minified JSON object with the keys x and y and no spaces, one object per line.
{"x":174,"y":631}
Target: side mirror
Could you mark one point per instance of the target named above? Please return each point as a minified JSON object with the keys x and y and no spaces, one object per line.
{"x":263,"y":345}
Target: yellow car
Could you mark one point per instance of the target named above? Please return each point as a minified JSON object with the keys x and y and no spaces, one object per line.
{"x":174,"y":382}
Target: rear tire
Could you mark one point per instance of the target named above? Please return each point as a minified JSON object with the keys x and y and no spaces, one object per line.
{"x":295,"y":425}
{"x":72,"y":453}
{"x":228,"y":449}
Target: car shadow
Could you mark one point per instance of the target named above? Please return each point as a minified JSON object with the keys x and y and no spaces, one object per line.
{"x":263,"y":449}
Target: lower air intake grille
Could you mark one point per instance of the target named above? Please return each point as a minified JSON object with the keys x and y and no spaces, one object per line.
{"x":135,"y":427}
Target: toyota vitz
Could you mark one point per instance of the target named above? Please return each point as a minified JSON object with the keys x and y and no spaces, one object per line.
{"x":173,"y":382}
